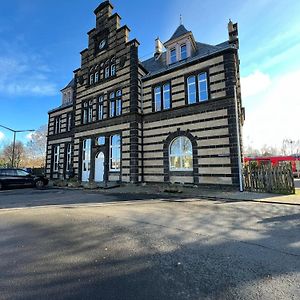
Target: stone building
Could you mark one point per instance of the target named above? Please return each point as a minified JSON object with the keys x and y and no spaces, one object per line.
{"x":175,"y":117}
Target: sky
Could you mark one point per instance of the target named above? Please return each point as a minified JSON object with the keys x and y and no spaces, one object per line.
{"x":40,"y":41}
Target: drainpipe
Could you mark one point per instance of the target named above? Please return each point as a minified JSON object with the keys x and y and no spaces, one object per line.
{"x":238,"y":141}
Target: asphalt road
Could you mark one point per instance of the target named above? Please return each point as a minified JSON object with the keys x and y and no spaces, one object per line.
{"x":146,"y":249}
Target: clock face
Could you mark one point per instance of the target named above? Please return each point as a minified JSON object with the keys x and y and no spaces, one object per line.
{"x":102,"y":44}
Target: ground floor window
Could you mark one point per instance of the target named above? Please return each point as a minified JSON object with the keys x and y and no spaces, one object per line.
{"x":55,"y":158}
{"x":115,"y":153}
{"x":86,"y":159}
{"x":181,"y":154}
{"x":68,"y":157}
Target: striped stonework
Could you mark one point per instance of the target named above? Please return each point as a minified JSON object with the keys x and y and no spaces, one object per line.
{"x":113,"y":94}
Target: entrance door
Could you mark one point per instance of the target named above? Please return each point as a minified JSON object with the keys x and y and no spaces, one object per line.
{"x":99,"y":167}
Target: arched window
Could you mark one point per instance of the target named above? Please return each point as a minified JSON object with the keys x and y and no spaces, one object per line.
{"x":181,"y":154}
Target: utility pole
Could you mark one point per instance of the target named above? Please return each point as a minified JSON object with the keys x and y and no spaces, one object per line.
{"x":14,"y":142}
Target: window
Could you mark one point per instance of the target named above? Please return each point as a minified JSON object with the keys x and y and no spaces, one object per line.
{"x":69,"y":121}
{"x":173,"y":57}
{"x":101,"y":141}
{"x":87,"y":115}
{"x":55,"y":158}
{"x":68,"y":157}
{"x":96,"y":77}
{"x":166,"y":96}
{"x":86,"y":159}
{"x":199,"y":92}
{"x":91,"y":78}
{"x":202,"y":86}
{"x":106,"y":74}
{"x":100,"y":108}
{"x":191,"y":86}
{"x":113,"y":70}
{"x":181,"y":154}
{"x":157,"y":98}
{"x":115,"y":103}
{"x":183,"y":53}
{"x":119,"y":103}
{"x":115,"y":153}
{"x":90,"y":111}
{"x":57,"y":126}
{"x":22,"y":173}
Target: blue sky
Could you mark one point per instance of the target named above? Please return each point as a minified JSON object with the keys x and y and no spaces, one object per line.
{"x":40,"y":41}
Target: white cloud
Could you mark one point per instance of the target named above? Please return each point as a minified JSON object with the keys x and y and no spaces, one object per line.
{"x":1,"y":135}
{"x":22,"y":75}
{"x":255,"y":83}
{"x":29,"y":136}
{"x":275,"y":114}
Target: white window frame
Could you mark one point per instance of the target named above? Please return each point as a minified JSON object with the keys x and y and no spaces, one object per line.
{"x":157,"y":92}
{"x":96,"y":76}
{"x":113,"y":70}
{"x":188,"y":89}
{"x":86,"y":154}
{"x":181,"y":155}
{"x":206,"y":86}
{"x":164,"y":91}
{"x":111,"y":147}
{"x":68,"y":157}
{"x":100,"y":108}
{"x":56,"y":151}
{"x":91,"y":78}
{"x":69,"y":121}
{"x":107,"y":72}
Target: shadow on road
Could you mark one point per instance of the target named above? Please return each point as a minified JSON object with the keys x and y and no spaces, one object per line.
{"x":88,"y":254}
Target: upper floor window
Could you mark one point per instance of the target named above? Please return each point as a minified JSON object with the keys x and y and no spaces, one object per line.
{"x":183,"y":51}
{"x":57,"y":125}
{"x":69,"y":121}
{"x":87,"y":114}
{"x":197,"y":92}
{"x":113,"y":70}
{"x":96,"y":76}
{"x":173,"y":57}
{"x":115,"y":103}
{"x":157,"y":98}
{"x":106,"y":73}
{"x":202,"y":86}
{"x":162,"y":97}
{"x":115,"y":153}
{"x":91,"y":78}
{"x":100,"y":107}
{"x":181,"y":154}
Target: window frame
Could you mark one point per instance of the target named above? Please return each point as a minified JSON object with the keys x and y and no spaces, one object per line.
{"x":196,"y":75}
{"x":181,"y":155}
{"x":57,"y":124}
{"x":186,"y":54}
{"x":69,"y":121}
{"x":100,"y":105}
{"x":68,"y":157}
{"x":56,"y":155}
{"x":173,"y":50}
{"x":115,"y":104}
{"x":162,"y":97}
{"x":111,"y":147}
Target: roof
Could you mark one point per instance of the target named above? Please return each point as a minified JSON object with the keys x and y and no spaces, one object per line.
{"x":181,"y":30}
{"x":158,"y":65}
{"x":70,"y":84}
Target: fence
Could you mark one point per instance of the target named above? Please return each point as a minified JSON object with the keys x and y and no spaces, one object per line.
{"x":268,"y":178}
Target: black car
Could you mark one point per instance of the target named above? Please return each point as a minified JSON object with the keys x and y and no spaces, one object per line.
{"x":20,"y":178}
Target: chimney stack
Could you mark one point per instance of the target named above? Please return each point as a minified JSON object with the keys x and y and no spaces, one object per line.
{"x":158,"y":48}
{"x":233,"y":33}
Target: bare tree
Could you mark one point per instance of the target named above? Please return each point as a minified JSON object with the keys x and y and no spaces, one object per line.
{"x":19,"y":154}
{"x":36,"y":148}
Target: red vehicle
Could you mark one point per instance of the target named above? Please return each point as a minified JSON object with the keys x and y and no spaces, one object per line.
{"x":276,"y":160}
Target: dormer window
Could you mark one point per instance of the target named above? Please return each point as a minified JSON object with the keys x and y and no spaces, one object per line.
{"x":173,"y":57}
{"x":183,"y":52}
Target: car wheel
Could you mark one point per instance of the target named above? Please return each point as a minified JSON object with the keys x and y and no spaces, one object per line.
{"x":39,"y":184}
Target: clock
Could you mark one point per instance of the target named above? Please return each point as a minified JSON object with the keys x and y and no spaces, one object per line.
{"x":102,"y":44}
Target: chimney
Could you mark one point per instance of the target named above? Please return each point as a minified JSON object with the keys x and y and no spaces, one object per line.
{"x":233,"y":33}
{"x":158,"y":48}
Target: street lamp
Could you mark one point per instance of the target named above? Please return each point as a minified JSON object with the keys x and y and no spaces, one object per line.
{"x":14,"y":143}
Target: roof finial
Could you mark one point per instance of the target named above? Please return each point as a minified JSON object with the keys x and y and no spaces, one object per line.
{"x":181,"y":19}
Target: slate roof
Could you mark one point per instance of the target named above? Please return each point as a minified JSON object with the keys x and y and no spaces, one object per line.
{"x":70,"y":84}
{"x":155,"y":66}
{"x":181,"y":30}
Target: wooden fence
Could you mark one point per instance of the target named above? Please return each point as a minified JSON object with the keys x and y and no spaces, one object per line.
{"x":268,"y":178}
